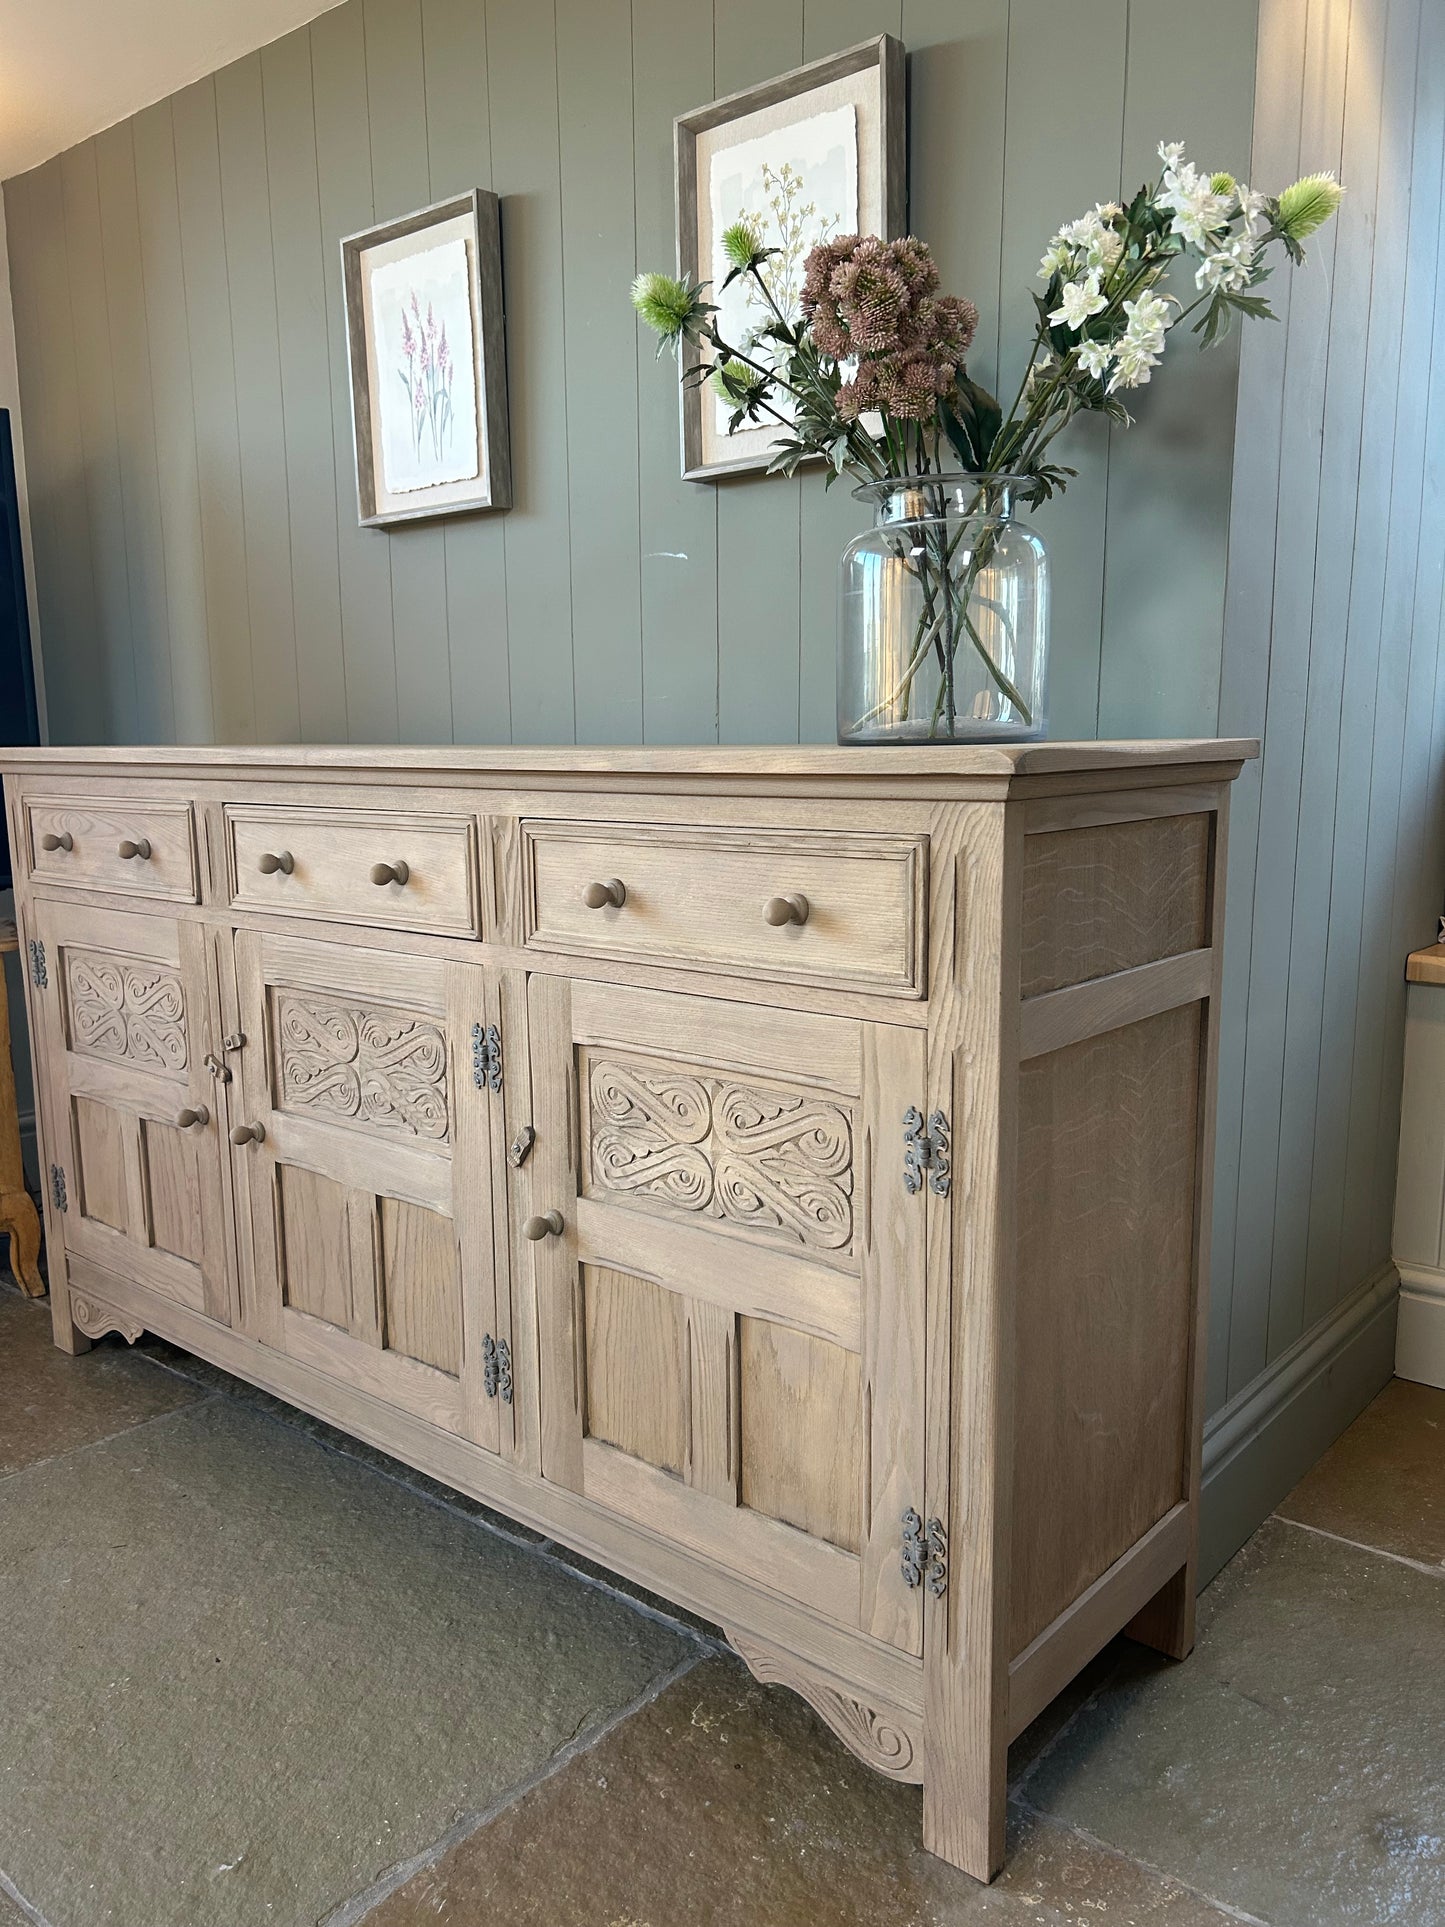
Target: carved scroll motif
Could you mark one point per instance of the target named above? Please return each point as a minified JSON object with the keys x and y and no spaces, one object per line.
{"x":386,"y":1069}
{"x":128,"y":1011}
{"x":886,"y":1741}
{"x":95,"y":1320}
{"x":775,"y":1160}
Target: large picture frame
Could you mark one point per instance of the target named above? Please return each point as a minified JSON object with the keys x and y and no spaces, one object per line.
{"x":821,"y":150}
{"x":425,"y":338}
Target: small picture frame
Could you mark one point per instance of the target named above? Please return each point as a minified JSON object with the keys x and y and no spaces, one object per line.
{"x":819,"y":151}
{"x":427,"y":349}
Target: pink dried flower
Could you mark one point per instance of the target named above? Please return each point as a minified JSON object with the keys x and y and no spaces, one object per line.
{"x":444,"y":353}
{"x":408,"y":339}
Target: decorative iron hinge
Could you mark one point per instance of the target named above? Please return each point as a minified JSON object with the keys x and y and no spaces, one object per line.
{"x":39,"y":975}
{"x":497,"y":1368}
{"x":57,"y":1188}
{"x":487,"y":1057}
{"x":926,"y":1148}
{"x":925,"y":1554}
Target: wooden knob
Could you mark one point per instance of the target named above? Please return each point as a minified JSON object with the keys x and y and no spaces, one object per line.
{"x":549,"y":1225}
{"x":782,"y":910}
{"x":275,"y":860}
{"x":249,"y":1134}
{"x":57,"y":840}
{"x":139,"y":846}
{"x":597,"y":896}
{"x":397,"y":872}
{"x":191,"y":1116}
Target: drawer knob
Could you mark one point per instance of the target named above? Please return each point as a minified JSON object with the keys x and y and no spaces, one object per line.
{"x":783,"y":910}
{"x":57,"y":840}
{"x":191,"y":1116}
{"x":598,"y":896}
{"x":249,"y":1134}
{"x":397,"y":872}
{"x":275,"y":860}
{"x":129,"y":847}
{"x":549,"y":1225}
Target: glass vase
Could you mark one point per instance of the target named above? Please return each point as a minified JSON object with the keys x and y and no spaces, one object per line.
{"x":943,"y":616}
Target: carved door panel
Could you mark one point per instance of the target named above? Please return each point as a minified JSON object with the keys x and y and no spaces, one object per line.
{"x":730,"y":1295}
{"x":365,"y":1119}
{"x":130,"y":1013}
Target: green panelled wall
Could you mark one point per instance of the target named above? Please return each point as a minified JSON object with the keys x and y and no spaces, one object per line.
{"x":1261,"y":552}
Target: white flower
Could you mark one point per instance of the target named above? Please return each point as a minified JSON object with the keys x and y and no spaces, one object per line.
{"x":1041,"y":371}
{"x":1136,"y":360}
{"x":1198,"y":211}
{"x":1077,"y":301}
{"x":1172,"y":154}
{"x":1252,"y":206}
{"x":1095,"y":356}
{"x":1229,"y":268}
{"x":1058,"y":259}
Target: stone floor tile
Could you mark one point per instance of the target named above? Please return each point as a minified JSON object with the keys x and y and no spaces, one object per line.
{"x":1383,"y":1483}
{"x":50,"y":1402}
{"x":727,"y":1804}
{"x":244,"y":1676}
{"x":10,"y":1914}
{"x":1293,"y":1766}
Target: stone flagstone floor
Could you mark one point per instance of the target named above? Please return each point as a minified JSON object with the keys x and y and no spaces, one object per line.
{"x":256,"y":1673}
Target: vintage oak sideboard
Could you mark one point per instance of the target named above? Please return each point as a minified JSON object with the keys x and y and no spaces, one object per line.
{"x":782,"y":1175}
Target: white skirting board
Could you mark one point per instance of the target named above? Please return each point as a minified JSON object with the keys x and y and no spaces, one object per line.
{"x":1420,"y":1339}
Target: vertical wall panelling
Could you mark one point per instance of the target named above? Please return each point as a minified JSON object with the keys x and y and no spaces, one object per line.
{"x":1190,"y":77}
{"x":261,"y":424}
{"x":213,"y":388}
{"x":522,"y":101}
{"x":175,"y":424}
{"x":293,"y":216}
{"x":829,"y":517}
{"x":125,"y":303}
{"x":758,"y":517}
{"x":1244,"y":671}
{"x":95,"y":398}
{"x":1066,"y":73}
{"x":401,"y":181}
{"x":459,"y":147}
{"x":343,"y":173}
{"x":599,"y":247}
{"x":672,"y":70}
{"x":1292,"y":577}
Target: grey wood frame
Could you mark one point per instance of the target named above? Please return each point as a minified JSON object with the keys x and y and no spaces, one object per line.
{"x":494,"y":488}
{"x":887,"y":55}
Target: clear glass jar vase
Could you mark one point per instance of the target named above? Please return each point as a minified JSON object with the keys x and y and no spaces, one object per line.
{"x":943,"y":616}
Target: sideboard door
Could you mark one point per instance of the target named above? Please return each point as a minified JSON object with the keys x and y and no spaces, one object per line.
{"x":129,"y":1018}
{"x":365,"y":1166}
{"x":730,"y":1295}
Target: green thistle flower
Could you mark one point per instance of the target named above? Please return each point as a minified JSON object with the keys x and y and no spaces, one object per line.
{"x":743,"y":245}
{"x":737,"y":384}
{"x":1222,"y":183}
{"x":1308,"y":205}
{"x":672,"y":308}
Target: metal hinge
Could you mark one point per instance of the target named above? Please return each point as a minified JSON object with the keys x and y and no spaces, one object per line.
{"x":925,"y":1553}
{"x":57,"y":1188}
{"x":487,"y":1057}
{"x":39,"y":975}
{"x":926,"y":1148}
{"x":497,"y":1368}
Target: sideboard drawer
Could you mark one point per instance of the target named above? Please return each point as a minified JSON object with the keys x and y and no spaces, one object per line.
{"x":135,"y":848}
{"x":837,"y":908}
{"x":392,"y":869}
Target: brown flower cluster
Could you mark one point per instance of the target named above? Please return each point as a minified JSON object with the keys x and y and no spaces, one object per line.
{"x":876,"y":303}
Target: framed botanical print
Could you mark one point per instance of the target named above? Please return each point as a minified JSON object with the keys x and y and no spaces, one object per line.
{"x":818,"y":152}
{"x":428,"y":363}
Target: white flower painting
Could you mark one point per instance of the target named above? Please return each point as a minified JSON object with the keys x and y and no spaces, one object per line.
{"x":795,"y":185}
{"x":426,"y":404}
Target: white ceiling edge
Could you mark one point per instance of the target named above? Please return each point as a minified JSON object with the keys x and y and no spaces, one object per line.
{"x":69,"y":68}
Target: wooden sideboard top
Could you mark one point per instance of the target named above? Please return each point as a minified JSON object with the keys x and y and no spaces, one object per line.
{"x":985,"y":760}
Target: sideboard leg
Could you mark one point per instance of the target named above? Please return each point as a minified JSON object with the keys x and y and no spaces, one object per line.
{"x":1167,"y":1622}
{"x":965,"y":1810}
{"x":67,"y":1334}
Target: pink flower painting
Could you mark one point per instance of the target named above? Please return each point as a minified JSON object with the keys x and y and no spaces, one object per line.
{"x":426,"y":370}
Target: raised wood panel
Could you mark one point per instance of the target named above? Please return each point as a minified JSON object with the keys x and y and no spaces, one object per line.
{"x":636,"y":1349}
{"x":1110,"y":896}
{"x":1106,"y":1162}
{"x":316,"y":1244}
{"x":802,"y":1431}
{"x":171,"y":1162}
{"x":100,"y":1138}
{"x":421,"y":1285}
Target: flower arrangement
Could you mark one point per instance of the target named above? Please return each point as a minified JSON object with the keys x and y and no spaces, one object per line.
{"x":427,"y":377}
{"x":869,"y":372}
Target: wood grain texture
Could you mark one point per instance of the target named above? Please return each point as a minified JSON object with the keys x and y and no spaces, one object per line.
{"x":637,"y":1367}
{"x":316,"y":1244}
{"x":802,"y":1431}
{"x":421,"y":1284}
{"x":172,"y":1186}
